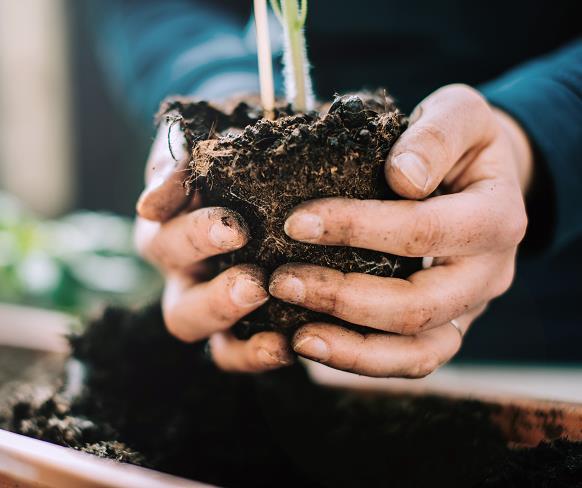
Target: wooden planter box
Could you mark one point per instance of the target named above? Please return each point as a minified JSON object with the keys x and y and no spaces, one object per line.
{"x":531,"y":404}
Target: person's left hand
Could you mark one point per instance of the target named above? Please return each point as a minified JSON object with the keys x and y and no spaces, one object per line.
{"x":483,"y":159}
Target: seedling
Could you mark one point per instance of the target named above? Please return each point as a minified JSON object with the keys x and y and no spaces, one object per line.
{"x":292,"y":15}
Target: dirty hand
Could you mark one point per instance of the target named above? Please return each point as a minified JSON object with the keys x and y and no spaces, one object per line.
{"x":483,"y":160}
{"x":175,"y":234}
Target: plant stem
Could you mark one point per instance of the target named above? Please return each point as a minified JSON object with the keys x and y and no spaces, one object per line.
{"x":265,"y":60}
{"x":297,"y":80}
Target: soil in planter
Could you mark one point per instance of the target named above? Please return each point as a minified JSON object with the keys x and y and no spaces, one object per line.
{"x":152,"y":400}
{"x":263,"y":169}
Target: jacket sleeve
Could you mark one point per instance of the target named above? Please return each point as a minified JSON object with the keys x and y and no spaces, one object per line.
{"x":150,"y":49}
{"x":545,"y":97}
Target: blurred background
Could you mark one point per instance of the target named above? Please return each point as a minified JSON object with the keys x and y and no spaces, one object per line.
{"x":70,"y":167}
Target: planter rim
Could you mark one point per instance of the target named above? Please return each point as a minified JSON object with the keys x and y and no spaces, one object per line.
{"x":35,"y":328}
{"x":27,"y":460}
{"x":482,"y":381}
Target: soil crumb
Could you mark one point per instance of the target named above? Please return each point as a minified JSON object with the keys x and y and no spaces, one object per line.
{"x":151,"y":400}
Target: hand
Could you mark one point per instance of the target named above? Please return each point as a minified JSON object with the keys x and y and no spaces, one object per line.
{"x":483,"y":159}
{"x":178,"y":236}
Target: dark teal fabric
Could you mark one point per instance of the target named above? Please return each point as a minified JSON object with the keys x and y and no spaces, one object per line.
{"x":545,"y":96}
{"x":525,"y":56}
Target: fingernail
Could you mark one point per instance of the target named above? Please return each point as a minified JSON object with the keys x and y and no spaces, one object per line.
{"x":225,"y":236}
{"x":413,"y":169}
{"x":313,"y":347}
{"x":289,"y":288}
{"x":304,"y":226}
{"x":268,"y":359}
{"x":246,"y":292}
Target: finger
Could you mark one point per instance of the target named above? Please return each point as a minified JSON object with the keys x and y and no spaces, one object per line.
{"x":475,"y":221}
{"x":183,"y":241}
{"x":381,"y":355}
{"x":166,"y":172}
{"x":449,"y":123}
{"x":425,"y":300}
{"x":195,"y":311}
{"x":262,"y":352}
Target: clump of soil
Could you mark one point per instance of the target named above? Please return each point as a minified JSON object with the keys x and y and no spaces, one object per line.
{"x":263,"y":169}
{"x":149,"y":399}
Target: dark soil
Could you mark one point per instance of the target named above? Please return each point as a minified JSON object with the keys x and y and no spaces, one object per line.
{"x":549,"y":465}
{"x":152,"y":400}
{"x":263,"y":169}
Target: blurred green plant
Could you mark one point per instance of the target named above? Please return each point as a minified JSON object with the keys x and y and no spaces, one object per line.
{"x":76,"y":264}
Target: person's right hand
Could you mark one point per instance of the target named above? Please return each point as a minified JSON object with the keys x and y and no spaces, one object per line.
{"x":177,"y":235}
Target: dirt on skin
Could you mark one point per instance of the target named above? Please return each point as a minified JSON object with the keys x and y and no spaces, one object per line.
{"x":262,"y":169}
{"x":149,"y":399}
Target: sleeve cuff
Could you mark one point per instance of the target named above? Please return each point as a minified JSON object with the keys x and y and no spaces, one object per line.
{"x":550,"y":114}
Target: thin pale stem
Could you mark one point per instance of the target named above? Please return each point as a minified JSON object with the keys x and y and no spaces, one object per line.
{"x":265,"y":60}
{"x":298,"y":86}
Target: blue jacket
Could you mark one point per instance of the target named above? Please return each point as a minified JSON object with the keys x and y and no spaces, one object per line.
{"x":525,"y":56}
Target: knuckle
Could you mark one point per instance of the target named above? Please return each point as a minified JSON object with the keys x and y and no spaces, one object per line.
{"x":175,"y":325}
{"x":149,"y":208}
{"x":435,"y":141}
{"x":426,"y":365}
{"x":351,"y":231}
{"x":471,"y":96}
{"x":331,"y":302}
{"x":346,"y":224}
{"x":415,"y":320}
{"x":330,"y":292}
{"x":516,"y":228}
{"x":141,"y":244}
{"x":470,"y":100}
{"x":434,"y":132}
{"x":504,"y":280}
{"x":143,"y":237}
{"x":468,"y":96}
{"x":426,"y":234}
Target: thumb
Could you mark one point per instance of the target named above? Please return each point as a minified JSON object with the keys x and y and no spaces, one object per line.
{"x":164,"y":194}
{"x":446,"y":124}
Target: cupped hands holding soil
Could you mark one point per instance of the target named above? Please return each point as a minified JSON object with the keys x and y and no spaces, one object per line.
{"x":262,"y":169}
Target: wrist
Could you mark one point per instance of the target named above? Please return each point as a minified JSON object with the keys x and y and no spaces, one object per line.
{"x":521,"y":147}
